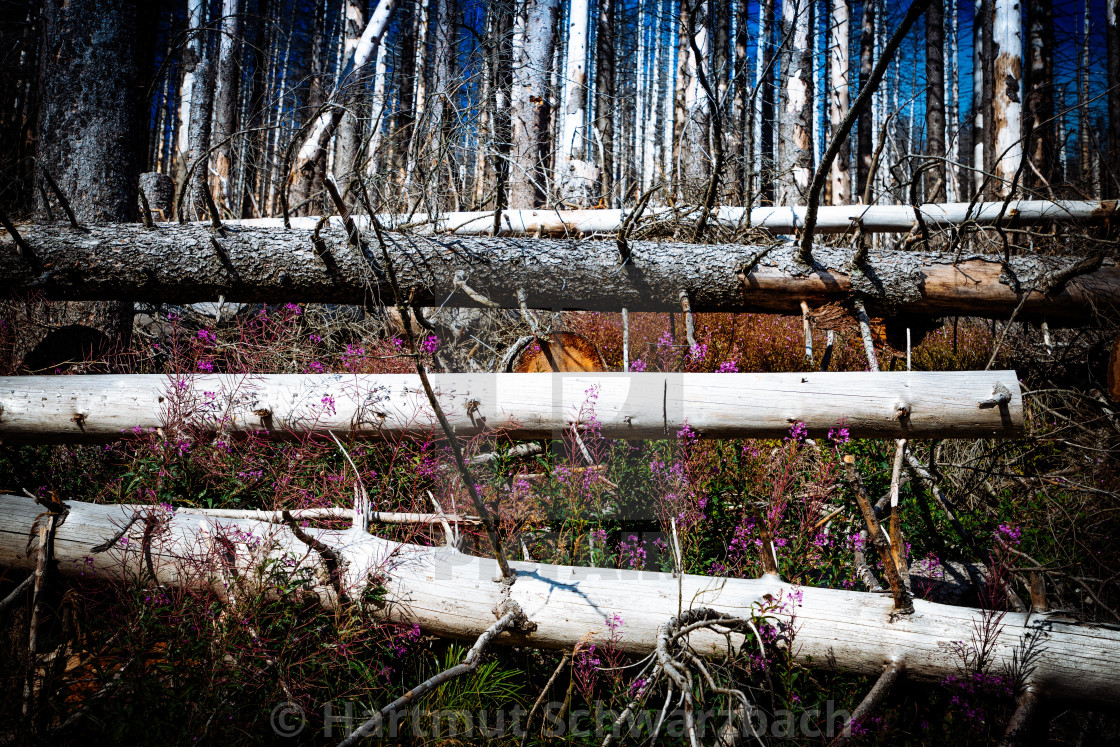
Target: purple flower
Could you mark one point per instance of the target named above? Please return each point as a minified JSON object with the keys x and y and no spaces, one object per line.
{"x":728,"y":367}
{"x":637,"y":366}
{"x":206,"y":366}
{"x":430,"y":344}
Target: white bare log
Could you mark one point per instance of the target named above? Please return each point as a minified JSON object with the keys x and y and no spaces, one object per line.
{"x":625,"y":405}
{"x":451,"y":594}
{"x":778,"y":220}
{"x":319,"y":514}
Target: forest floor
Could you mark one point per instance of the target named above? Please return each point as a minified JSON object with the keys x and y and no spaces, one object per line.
{"x":179,"y":667}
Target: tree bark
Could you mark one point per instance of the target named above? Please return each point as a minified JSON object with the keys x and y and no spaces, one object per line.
{"x":453,"y":595}
{"x":1007,"y":96}
{"x":1111,"y":184}
{"x":981,"y":33}
{"x":1040,"y":99}
{"x":866,"y":145}
{"x":91,"y":130}
{"x":227,"y":100}
{"x":348,"y":141}
{"x":574,"y":174}
{"x":627,"y":405}
{"x":189,"y":263}
{"x":795,"y":141}
{"x":935,"y":101}
{"x":840,"y":190}
{"x":605,"y":96}
{"x":531,"y":107}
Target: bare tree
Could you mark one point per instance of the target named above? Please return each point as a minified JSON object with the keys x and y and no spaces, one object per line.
{"x":575,"y":176}
{"x":530,"y":109}
{"x":935,"y":101}
{"x":1112,"y":44}
{"x":795,"y":142}
{"x":866,"y":119}
{"x":605,"y":98}
{"x":226,"y":103}
{"x":1007,"y":98}
{"x":1040,"y":99}
{"x":840,"y":181}
{"x":348,"y":142}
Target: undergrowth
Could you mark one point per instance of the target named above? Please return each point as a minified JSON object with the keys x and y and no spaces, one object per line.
{"x":160,"y":665}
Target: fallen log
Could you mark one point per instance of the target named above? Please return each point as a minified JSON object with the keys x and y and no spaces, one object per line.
{"x":174,"y":263}
{"x":777,"y":219}
{"x":455,"y":595}
{"x":902,"y":404}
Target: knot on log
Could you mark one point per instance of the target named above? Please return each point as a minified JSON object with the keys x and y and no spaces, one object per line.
{"x":521,"y":621}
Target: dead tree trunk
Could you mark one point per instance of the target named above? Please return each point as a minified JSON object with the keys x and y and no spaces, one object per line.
{"x":1007,"y":97}
{"x":91,"y":133}
{"x":531,"y":108}
{"x":866,"y":145}
{"x":935,"y":101}
{"x":628,"y":405}
{"x":309,"y":158}
{"x":226,"y":103}
{"x":1112,"y":44}
{"x":181,"y":263}
{"x":454,"y":595}
{"x":795,"y":140}
{"x":605,"y":99}
{"x":1043,"y":144}
{"x":348,"y":142}
{"x":840,"y":180}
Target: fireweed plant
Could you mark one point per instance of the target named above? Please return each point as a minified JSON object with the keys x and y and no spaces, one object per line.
{"x":186,"y":666}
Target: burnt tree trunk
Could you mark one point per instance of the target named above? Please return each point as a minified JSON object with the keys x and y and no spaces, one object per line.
{"x":935,"y":101}
{"x":1111,"y":185}
{"x":866,"y":65}
{"x":91,"y":130}
{"x":604,"y":99}
{"x":1040,"y":99}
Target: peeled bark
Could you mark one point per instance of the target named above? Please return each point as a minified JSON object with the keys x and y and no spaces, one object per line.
{"x":575,"y":177}
{"x":840,"y":180}
{"x":174,"y":264}
{"x":531,"y":109}
{"x":627,"y":405}
{"x":795,"y":141}
{"x":454,"y":595}
{"x":1007,"y":95}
